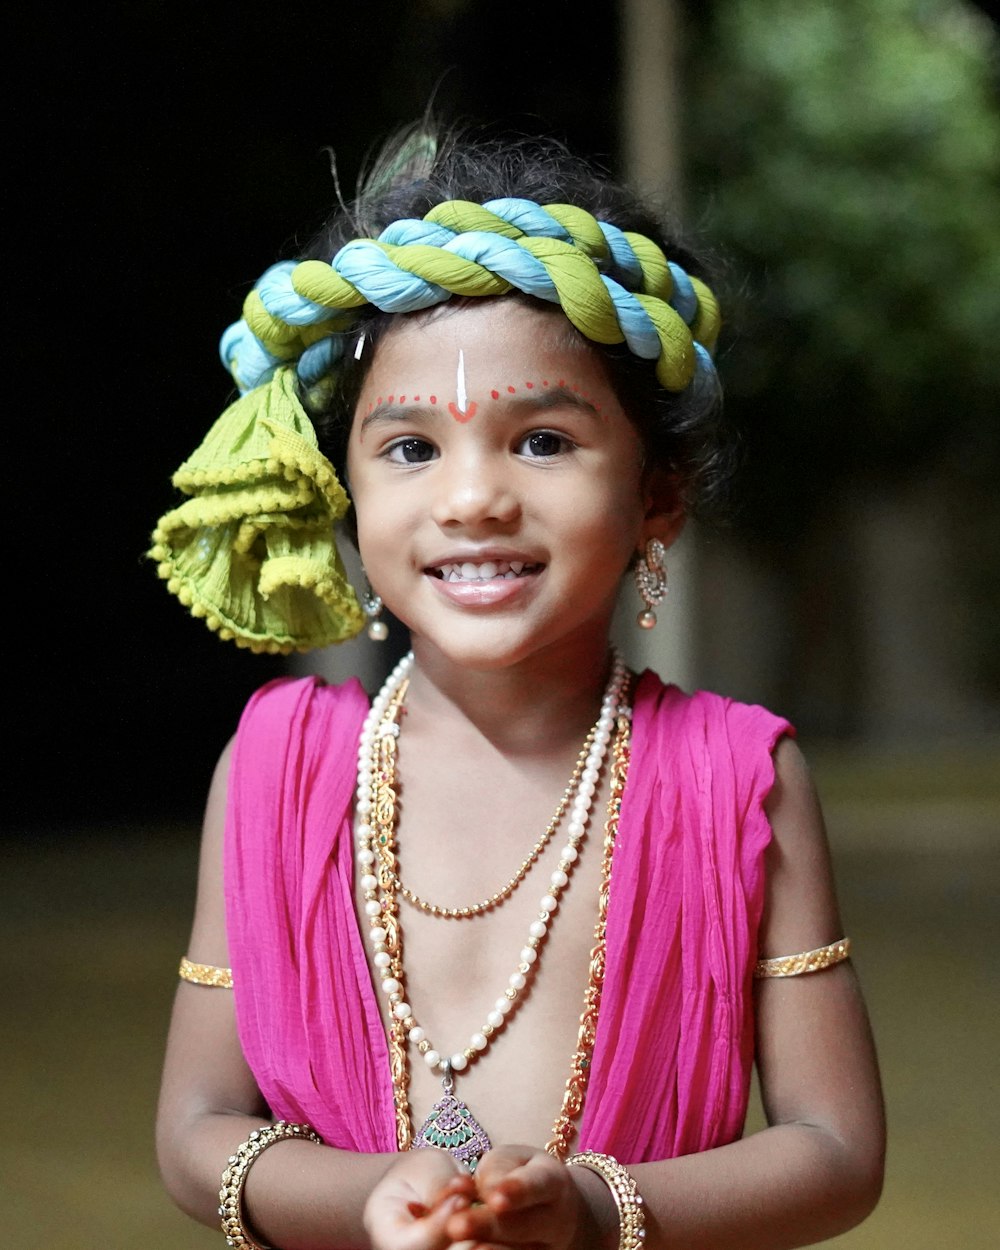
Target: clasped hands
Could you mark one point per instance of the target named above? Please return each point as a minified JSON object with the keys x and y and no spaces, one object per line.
{"x":518,"y":1196}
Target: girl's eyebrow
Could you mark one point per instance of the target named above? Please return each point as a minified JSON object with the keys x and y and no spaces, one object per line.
{"x":556,"y":397}
{"x":393,"y":412}
{"x":539,"y":401}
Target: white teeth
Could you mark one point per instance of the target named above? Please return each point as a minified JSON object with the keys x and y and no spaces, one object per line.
{"x":467,"y":571}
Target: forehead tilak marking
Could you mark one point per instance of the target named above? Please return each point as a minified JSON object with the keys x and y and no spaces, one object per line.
{"x":460,"y":393}
{"x":464,"y":409}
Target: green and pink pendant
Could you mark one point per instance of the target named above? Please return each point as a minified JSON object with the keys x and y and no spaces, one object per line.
{"x":451,"y":1126}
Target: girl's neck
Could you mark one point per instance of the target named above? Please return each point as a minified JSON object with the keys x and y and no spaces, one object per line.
{"x":548,"y":696}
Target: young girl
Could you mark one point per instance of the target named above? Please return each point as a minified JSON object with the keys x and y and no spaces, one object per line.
{"x":490,"y":959}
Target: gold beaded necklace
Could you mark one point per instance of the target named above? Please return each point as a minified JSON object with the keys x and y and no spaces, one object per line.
{"x":487,"y":904}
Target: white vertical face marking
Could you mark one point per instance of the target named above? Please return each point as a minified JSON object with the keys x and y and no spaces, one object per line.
{"x":360,"y":347}
{"x":460,"y":395}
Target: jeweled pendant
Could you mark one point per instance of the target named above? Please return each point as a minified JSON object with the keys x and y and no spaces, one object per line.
{"x":451,"y":1126}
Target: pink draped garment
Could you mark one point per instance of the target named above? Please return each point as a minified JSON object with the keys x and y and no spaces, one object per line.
{"x":674,"y":1046}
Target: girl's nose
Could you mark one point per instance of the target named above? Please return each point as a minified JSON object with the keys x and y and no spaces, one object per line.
{"x":472,"y":491}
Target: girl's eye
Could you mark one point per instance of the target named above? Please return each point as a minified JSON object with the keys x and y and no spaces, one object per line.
{"x":543,"y":443}
{"x":411,"y":451}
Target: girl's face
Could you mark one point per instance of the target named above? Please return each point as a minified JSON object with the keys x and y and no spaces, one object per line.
{"x":497,"y":483}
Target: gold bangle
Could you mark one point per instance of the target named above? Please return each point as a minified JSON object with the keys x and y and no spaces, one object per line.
{"x":805,"y":961}
{"x":628,"y":1200}
{"x":206,"y":974}
{"x":235,"y":1175}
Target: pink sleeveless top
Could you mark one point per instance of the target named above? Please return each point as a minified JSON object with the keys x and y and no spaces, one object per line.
{"x":674,"y":1045}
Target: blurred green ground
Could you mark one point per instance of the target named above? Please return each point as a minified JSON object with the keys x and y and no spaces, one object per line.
{"x":92,"y":926}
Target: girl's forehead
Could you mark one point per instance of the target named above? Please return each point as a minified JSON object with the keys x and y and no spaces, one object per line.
{"x":494,"y":337}
{"x":483,"y":356}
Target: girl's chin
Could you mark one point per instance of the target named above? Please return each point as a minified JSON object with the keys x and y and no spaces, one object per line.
{"x":485,"y":644}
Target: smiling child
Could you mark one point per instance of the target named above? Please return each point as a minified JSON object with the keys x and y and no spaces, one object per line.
{"x":490,"y":955}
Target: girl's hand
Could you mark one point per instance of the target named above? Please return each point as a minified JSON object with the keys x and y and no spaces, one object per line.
{"x":410,"y":1207}
{"x":525,"y":1196}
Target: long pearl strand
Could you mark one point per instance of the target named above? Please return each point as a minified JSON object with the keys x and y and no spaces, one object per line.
{"x":387,"y":961}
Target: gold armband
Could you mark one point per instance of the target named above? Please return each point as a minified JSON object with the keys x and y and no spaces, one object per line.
{"x":206,"y":974}
{"x":806,"y":961}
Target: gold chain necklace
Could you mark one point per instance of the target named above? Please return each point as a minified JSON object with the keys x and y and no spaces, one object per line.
{"x":464,"y":1136}
{"x":579,"y":1072}
{"x":487,"y":904}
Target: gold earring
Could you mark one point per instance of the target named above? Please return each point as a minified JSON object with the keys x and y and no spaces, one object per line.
{"x":651,"y":581}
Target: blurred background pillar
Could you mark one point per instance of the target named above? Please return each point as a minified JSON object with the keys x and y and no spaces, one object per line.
{"x":650,"y":143}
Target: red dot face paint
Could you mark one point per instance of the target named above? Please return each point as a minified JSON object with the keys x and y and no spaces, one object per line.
{"x":464,"y":408}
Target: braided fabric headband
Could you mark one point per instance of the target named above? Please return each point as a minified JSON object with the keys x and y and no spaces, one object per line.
{"x":252,"y":550}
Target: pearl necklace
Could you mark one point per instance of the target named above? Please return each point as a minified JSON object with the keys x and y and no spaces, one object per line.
{"x":450,"y":1124}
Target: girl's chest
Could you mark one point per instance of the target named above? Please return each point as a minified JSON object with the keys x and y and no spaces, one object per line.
{"x":502,"y":989}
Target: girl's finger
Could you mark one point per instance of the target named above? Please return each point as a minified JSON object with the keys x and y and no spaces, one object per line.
{"x":535,"y":1226}
{"x":534,"y":1183}
{"x":430,"y":1231}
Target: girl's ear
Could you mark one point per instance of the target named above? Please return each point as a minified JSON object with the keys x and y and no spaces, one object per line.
{"x":665,"y":515}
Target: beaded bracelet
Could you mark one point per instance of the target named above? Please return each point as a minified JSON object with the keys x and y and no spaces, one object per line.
{"x":628,"y":1200}
{"x":235,"y":1175}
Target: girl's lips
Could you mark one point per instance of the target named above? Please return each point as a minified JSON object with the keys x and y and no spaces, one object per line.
{"x":485,"y":592}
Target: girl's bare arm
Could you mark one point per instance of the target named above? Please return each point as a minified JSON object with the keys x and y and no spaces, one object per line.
{"x":297,"y":1195}
{"x":816,"y":1171}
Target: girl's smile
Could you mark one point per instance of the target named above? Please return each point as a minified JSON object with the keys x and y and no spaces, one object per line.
{"x":652,"y":856}
{"x":475,"y":580}
{"x":497,"y":482}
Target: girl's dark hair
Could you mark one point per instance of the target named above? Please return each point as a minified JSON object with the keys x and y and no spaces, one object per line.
{"x":424,"y":165}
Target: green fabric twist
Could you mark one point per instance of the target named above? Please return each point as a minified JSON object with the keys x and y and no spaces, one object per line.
{"x":252,"y":550}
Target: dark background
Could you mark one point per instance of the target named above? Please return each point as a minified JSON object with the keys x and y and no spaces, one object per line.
{"x":164,"y":155}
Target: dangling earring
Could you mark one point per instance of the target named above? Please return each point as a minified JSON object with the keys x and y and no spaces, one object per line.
{"x":371,"y":605}
{"x":651,"y":581}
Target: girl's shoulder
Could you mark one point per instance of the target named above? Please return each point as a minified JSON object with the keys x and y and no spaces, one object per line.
{"x":703,"y":725}
{"x":710,"y":756}
{"x":303,"y":708}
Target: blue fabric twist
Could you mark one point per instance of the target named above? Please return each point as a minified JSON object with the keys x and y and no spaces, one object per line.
{"x":685,"y":297}
{"x":282,"y":301}
{"x":529,"y":217}
{"x":622,"y":254}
